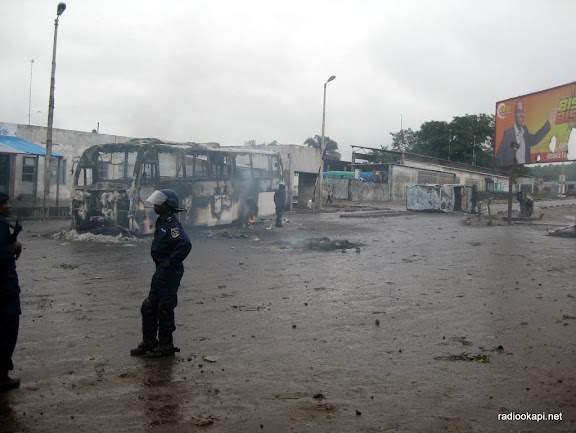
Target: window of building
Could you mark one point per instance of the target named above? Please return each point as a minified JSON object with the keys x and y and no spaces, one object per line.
{"x":54,"y":171}
{"x":28,"y":168}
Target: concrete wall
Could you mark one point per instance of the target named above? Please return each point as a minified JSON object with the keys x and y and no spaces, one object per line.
{"x":303,"y":159}
{"x":368,"y":191}
{"x":357,"y":190}
{"x":400,"y":177}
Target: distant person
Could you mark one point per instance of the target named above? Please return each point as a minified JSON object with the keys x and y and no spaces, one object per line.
{"x":171,"y":245}
{"x":10,"y":311}
{"x":517,"y":141}
{"x":329,"y":198}
{"x":526,"y":204}
{"x":280,"y":203}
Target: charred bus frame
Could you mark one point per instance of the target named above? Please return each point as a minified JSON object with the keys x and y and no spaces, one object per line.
{"x":217,"y":185}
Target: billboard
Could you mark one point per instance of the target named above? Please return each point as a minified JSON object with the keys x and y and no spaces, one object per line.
{"x":537,"y":128}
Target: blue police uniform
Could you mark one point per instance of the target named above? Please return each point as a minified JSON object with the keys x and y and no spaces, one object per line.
{"x":9,"y":298}
{"x":170,"y":242}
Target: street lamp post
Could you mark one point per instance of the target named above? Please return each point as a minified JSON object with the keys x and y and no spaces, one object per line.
{"x":30,"y":94}
{"x":322,"y":148}
{"x":48,"y":158}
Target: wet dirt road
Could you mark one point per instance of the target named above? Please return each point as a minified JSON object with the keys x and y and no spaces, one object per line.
{"x":297,"y":340}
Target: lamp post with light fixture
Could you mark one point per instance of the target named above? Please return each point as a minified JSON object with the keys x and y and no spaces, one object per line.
{"x":48,"y":158}
{"x":322,"y":147}
{"x":30,"y":94}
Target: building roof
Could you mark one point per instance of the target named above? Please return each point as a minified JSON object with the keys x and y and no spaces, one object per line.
{"x":11,"y":144}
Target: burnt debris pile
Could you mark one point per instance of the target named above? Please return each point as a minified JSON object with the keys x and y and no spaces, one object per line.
{"x":319,"y":244}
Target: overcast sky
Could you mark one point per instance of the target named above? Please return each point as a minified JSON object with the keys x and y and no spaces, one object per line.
{"x":235,"y":70}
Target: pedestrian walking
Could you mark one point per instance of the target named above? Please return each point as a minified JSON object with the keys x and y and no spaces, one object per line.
{"x":329,"y":199}
{"x":171,"y":245}
{"x":10,"y":249}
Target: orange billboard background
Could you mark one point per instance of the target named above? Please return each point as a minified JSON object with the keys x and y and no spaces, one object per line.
{"x":559,"y":143}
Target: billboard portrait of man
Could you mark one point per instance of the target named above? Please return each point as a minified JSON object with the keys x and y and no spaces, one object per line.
{"x":517,"y":140}
{"x":535,"y":127}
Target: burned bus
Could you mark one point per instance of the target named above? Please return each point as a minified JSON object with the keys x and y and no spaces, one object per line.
{"x":217,"y":185}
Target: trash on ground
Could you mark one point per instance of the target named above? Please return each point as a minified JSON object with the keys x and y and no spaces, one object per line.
{"x":482,"y":359}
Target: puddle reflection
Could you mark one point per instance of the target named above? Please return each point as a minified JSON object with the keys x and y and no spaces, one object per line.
{"x":161,"y":394}
{"x":8,"y":420}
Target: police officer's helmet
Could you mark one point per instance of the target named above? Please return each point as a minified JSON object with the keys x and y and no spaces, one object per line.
{"x":167,"y":196}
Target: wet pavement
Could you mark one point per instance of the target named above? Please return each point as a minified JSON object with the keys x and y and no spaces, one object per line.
{"x":275,"y":338}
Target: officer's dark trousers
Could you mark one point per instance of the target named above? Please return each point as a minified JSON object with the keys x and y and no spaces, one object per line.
{"x":279,"y":212}
{"x":9,"y":324}
{"x":9,"y":315}
{"x":158,"y":308}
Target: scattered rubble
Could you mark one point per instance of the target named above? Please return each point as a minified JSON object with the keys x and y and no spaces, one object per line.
{"x":569,"y":231}
{"x":73,"y":235}
{"x":202,"y":421}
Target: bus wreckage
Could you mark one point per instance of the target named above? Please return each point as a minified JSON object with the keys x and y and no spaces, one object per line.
{"x":217,"y":185}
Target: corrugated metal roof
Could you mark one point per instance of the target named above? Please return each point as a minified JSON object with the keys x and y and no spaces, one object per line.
{"x":7,"y":149}
{"x":22,"y":146}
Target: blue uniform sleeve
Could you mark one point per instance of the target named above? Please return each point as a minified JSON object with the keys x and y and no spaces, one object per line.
{"x":180,"y":241}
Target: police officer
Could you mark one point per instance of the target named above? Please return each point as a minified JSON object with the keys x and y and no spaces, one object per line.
{"x":10,"y":250}
{"x":280,"y":203}
{"x":170,"y":247}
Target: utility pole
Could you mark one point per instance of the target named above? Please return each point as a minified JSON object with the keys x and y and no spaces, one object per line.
{"x":322,"y":147}
{"x":30,"y":94}
{"x":48,"y":158}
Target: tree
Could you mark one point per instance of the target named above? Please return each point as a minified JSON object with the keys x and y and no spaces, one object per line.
{"x":434,"y":139}
{"x":466,"y":139}
{"x":471,"y":138}
{"x":330,"y":146}
{"x":553,"y":171}
{"x":406,"y":140}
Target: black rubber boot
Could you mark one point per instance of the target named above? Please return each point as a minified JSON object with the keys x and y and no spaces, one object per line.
{"x":6,"y":382}
{"x":162,"y":350}
{"x":144,"y":347}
